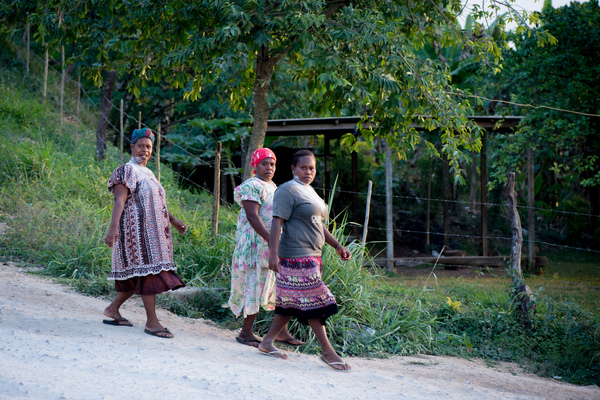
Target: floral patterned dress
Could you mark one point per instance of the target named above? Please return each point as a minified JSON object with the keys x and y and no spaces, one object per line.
{"x":252,"y":283}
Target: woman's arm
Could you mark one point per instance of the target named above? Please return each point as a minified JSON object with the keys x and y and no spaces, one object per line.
{"x":120,"y":193}
{"x":251,"y":208}
{"x":343,"y":252}
{"x":274,"y":244}
{"x":177,"y":224}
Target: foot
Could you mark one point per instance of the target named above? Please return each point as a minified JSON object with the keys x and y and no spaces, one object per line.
{"x":114,"y":314}
{"x":290,"y":341}
{"x":162,"y":332}
{"x":248,"y":341}
{"x":335,"y":362}
{"x":269,"y":350}
{"x":157,"y":329}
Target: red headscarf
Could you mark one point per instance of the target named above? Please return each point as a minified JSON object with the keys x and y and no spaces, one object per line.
{"x":261,"y":154}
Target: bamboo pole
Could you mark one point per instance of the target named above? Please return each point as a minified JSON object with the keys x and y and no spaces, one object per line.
{"x":62,"y":73}
{"x":216,"y":192}
{"x":45,"y":76}
{"x":531,"y":212}
{"x":484,"y":191}
{"x":121,"y":128}
{"x":389,"y":207}
{"x":62,"y":84}
{"x":78,"y":100}
{"x":367,"y":212}
{"x":158,"y":153}
{"x":28,"y":32}
{"x":428,"y":217}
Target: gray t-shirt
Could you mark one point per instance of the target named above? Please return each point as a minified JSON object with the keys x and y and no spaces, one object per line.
{"x":303,"y":212}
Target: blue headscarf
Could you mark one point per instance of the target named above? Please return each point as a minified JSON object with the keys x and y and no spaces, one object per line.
{"x":142,"y":133}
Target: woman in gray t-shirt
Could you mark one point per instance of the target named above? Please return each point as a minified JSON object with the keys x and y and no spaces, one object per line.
{"x":296,"y":257}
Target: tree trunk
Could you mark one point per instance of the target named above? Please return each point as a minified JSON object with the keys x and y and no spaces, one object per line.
{"x":447,"y":194}
{"x":265,"y":66}
{"x":105,"y":106}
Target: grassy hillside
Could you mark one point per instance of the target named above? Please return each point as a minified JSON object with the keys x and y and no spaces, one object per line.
{"x":54,"y":199}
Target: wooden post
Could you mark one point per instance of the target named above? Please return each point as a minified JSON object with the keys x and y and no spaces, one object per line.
{"x":355,"y":192}
{"x":523,"y":295}
{"x":389,"y":209}
{"x":484,"y":190}
{"x":428,"y":217}
{"x":121,"y":129}
{"x":367,"y":211}
{"x":45,"y":76}
{"x":78,"y":100}
{"x":28,"y":32}
{"x":62,"y":71}
{"x":327,"y":152}
{"x":510,"y":201}
{"x":62,"y":83}
{"x":447,"y":195}
{"x":216,"y":193}
{"x":140,"y":121}
{"x":531,"y":211}
{"x":158,"y":153}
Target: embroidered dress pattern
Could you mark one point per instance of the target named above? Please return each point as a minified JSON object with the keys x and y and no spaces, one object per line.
{"x":144,"y":245}
{"x":252,"y":283}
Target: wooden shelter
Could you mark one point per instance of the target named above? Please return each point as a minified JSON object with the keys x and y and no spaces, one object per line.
{"x":334,"y":128}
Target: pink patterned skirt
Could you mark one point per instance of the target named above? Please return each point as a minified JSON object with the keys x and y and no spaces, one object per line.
{"x":301,"y":292}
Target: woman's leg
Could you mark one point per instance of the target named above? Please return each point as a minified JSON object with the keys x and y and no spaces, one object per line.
{"x":328,"y":353}
{"x":266,"y":346}
{"x":112,"y":311}
{"x":246,"y":335}
{"x":152,"y":323}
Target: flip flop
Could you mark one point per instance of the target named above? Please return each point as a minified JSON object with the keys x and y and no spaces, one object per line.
{"x":158,"y":332}
{"x":273,"y":354}
{"x":290,"y":342}
{"x":117,"y":322}
{"x":331,"y":365}
{"x":248,"y":342}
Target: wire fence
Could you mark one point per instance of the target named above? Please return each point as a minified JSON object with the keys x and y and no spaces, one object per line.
{"x":194,"y":184}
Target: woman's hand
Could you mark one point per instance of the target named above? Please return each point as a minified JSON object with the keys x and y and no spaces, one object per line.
{"x":343,"y":252}
{"x":274,"y":263}
{"x":177,"y":224}
{"x":111,"y":236}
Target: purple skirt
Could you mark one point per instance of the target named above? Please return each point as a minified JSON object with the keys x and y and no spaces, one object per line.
{"x":301,"y":292}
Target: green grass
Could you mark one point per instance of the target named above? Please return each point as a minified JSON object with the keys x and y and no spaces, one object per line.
{"x":54,"y":198}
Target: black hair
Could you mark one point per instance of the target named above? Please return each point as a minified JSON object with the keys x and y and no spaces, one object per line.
{"x":302,"y":153}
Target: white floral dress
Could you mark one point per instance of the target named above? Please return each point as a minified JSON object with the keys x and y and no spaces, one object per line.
{"x":252,"y":283}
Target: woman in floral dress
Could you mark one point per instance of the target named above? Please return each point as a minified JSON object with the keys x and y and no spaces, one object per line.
{"x":252,"y":283}
{"x":140,"y":237}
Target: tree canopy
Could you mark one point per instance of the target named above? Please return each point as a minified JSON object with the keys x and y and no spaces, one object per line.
{"x":359,"y":55}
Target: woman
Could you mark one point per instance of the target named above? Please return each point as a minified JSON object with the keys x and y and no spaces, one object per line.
{"x":297,"y":259}
{"x":140,"y":237}
{"x":252,"y":283}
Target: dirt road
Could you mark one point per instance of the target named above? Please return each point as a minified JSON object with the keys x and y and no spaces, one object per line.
{"x":54,"y":346}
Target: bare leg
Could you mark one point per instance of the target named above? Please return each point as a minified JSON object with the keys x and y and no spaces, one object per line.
{"x":329,"y":354}
{"x":285,"y":336}
{"x":246,"y":335}
{"x":152,"y":323}
{"x":278,"y":324}
{"x":112,"y":311}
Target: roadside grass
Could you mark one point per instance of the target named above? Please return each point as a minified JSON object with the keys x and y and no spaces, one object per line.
{"x":54,"y":199}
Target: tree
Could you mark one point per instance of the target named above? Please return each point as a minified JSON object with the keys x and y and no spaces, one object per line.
{"x":351,"y":54}
{"x":563,"y":82}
